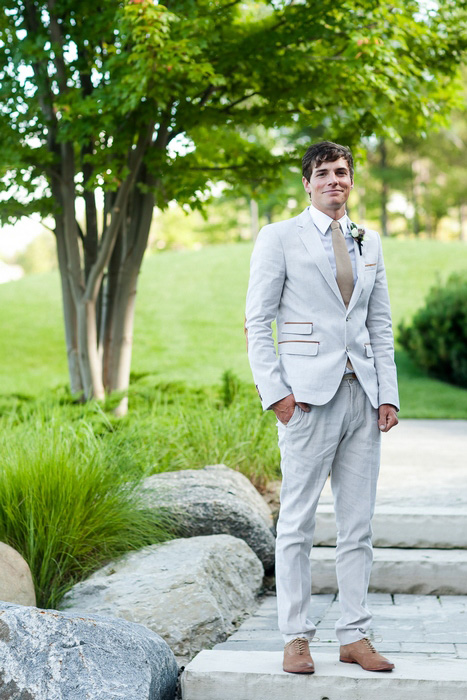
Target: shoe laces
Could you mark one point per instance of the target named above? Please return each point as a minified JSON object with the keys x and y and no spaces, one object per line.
{"x":301,"y":645}
{"x":369,"y":645}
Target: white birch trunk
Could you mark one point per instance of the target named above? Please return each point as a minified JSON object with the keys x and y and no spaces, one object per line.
{"x":90,"y":365}
{"x":463,"y":221}
{"x":254,"y":219}
{"x":122,"y":337}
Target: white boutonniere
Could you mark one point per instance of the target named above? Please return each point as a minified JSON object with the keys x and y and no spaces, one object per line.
{"x":358,"y":233}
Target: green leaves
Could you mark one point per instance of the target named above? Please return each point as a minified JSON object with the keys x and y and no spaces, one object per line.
{"x":209,"y":71}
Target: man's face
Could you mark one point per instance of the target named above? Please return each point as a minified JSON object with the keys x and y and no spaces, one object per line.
{"x":329,"y":186}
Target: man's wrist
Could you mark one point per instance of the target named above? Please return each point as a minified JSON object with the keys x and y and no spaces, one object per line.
{"x":391,"y":405}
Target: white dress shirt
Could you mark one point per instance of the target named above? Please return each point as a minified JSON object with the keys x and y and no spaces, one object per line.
{"x":323,"y":223}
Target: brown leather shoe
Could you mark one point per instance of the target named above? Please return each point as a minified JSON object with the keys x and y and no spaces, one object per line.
{"x":297,"y":658}
{"x":364,"y":653}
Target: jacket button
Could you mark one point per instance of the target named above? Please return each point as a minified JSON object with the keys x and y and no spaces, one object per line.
{"x":347,"y":348}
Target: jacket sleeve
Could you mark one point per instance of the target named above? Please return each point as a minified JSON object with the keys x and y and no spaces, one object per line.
{"x":379,"y":325}
{"x":267,"y":277}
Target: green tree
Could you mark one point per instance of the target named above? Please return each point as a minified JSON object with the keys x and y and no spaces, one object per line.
{"x":443,"y":174}
{"x":146,"y":103}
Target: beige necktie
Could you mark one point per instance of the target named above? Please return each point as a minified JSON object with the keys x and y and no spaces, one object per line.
{"x":344,"y":277}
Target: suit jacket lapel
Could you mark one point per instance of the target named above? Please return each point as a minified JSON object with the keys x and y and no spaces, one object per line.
{"x":311,"y":240}
{"x":360,"y":260}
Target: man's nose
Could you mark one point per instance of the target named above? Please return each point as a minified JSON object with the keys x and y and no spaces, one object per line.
{"x":333,"y":178}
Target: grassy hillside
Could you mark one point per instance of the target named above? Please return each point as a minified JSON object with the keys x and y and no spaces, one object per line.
{"x":189,"y":320}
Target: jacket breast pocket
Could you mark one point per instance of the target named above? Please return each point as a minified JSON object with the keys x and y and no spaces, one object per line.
{"x":297,"y":327}
{"x":298,"y":347}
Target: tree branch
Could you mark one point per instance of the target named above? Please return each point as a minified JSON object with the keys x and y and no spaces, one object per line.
{"x":118,"y":210}
{"x":162,"y":138}
{"x":80,"y":233}
{"x":211,"y":89}
{"x":40,"y":72}
{"x":221,"y":167}
{"x":57,"y":39}
{"x":237,"y":102}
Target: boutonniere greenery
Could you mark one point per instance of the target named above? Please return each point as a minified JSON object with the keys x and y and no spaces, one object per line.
{"x":358,"y":233}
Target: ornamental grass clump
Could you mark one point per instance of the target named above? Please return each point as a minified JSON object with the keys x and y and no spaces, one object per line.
{"x":66,"y":509}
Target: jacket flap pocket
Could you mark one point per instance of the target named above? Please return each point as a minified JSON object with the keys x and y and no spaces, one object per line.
{"x":369,"y":350}
{"x":298,"y":347}
{"x":297,"y":327}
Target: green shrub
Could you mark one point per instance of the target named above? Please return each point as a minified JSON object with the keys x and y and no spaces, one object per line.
{"x":172,"y":426}
{"x":437,"y":337}
{"x":69,"y":473}
{"x":66,"y":507}
{"x":169,"y":426}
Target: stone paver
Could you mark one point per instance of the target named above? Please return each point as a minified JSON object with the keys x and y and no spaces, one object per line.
{"x":426,"y":526}
{"x":423,"y":484}
{"x":430,"y":626}
{"x":258,"y":675}
{"x":423,"y":462}
{"x":426,"y":571}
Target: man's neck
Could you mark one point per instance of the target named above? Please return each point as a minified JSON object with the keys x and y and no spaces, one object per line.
{"x":335,"y":214}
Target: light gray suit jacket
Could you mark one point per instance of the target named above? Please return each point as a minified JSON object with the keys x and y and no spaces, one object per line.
{"x":292,"y":283}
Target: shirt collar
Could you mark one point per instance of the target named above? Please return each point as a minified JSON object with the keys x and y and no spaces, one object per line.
{"x":322,"y":221}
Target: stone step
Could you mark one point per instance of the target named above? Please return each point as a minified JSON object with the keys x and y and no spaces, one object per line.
{"x":258,"y":675}
{"x":421,"y":571}
{"x":404,"y":526}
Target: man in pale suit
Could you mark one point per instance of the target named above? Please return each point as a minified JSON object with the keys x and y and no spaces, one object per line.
{"x":333,"y":388}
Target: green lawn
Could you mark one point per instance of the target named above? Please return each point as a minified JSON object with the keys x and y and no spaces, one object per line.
{"x":189,"y":321}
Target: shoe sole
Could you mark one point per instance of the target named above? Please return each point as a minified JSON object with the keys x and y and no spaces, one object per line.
{"x":301,"y":672}
{"x":348,"y":661}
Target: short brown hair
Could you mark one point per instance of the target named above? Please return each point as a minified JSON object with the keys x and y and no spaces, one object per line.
{"x":322,"y":152}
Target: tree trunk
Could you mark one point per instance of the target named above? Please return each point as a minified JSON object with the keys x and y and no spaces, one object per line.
{"x":414,"y":188}
{"x":120,"y":346}
{"x":463,"y":221}
{"x":428,"y":225}
{"x":90,"y":365}
{"x":361,"y":208}
{"x":70,"y":317}
{"x":89,"y":354}
{"x":384,"y":189}
{"x":122,"y":339}
{"x":254,"y":219}
{"x":110,"y":288}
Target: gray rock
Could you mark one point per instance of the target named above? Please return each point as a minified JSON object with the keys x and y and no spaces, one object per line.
{"x":49,"y":655}
{"x":215,"y":500}
{"x":193,"y":592}
{"x":16,"y":585}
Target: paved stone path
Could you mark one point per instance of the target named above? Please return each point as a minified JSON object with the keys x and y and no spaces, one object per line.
{"x":423,"y":474}
{"x":429,"y":626}
{"x":423,"y":462}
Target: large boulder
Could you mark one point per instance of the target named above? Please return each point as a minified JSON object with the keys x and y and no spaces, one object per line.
{"x":49,"y":655}
{"x":193,"y":592}
{"x":215,"y":500}
{"x":16,"y":585}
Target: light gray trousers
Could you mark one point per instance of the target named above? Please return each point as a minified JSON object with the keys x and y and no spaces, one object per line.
{"x":341,"y":438}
